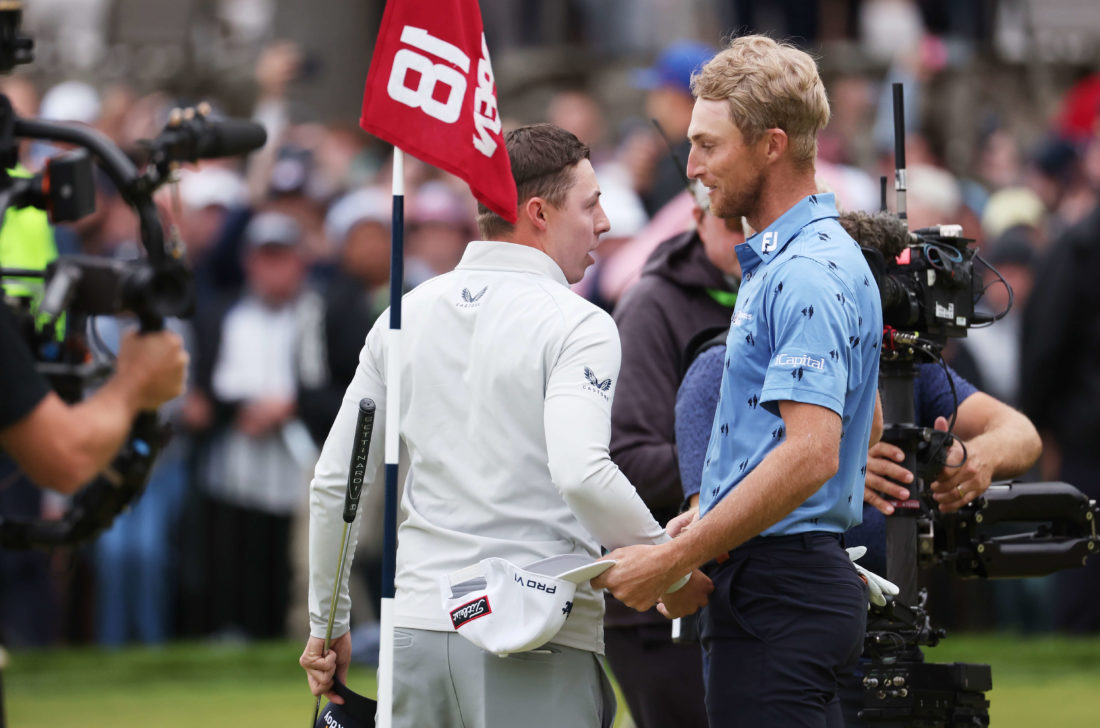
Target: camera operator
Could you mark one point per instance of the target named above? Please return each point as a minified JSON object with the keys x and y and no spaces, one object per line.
{"x":62,"y":446}
{"x":993,"y":439}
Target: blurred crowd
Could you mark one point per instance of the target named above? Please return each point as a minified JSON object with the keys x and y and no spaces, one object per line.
{"x":290,"y":251}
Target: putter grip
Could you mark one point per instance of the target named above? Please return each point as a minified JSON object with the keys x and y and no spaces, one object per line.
{"x":357,"y":471}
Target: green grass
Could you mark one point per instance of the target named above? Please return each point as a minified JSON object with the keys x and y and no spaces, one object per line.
{"x":180,"y":685}
{"x":1037,"y":683}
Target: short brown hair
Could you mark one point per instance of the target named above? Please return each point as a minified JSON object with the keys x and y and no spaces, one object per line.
{"x":542,"y":157}
{"x":881,"y":231}
{"x":768,"y":85}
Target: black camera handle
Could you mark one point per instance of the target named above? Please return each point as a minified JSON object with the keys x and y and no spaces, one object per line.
{"x":925,"y":454}
{"x":898,"y":416}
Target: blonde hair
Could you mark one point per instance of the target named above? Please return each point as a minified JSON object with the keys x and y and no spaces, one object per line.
{"x":767,"y":85}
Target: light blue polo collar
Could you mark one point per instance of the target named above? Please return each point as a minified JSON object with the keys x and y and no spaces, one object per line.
{"x":767,"y":244}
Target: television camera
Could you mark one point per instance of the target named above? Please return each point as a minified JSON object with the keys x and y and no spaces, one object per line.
{"x":929,"y":294}
{"x":77,"y":287}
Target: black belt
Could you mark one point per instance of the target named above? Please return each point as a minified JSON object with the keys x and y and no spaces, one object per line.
{"x":806,"y":539}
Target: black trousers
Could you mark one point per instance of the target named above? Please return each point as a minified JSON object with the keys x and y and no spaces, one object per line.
{"x":784,"y":625}
{"x":30,"y":610}
{"x":661,"y":680}
{"x":1077,"y":591}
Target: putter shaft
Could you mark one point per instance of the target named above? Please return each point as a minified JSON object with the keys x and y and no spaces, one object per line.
{"x":332,"y":610}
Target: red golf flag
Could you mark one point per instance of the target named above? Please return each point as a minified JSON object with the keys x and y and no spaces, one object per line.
{"x":430,"y":91}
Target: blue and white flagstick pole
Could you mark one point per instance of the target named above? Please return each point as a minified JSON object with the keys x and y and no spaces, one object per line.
{"x":393,"y":410}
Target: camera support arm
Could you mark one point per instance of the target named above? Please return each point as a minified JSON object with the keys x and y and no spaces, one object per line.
{"x":152,"y":289}
{"x":1061,"y":523}
{"x":95,"y":506}
{"x":189,"y":136}
{"x":117,"y":166}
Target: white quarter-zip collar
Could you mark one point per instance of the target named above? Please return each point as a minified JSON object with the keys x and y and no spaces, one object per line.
{"x":502,"y":255}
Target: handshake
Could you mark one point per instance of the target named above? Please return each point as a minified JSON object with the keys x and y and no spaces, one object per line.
{"x":648,"y":575}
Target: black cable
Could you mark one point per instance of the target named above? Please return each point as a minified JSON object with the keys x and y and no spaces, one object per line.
{"x":954,"y":416}
{"x":981,"y":293}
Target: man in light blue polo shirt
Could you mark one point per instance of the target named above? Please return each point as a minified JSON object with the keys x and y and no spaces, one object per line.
{"x":784,"y":473}
{"x":806,"y":329}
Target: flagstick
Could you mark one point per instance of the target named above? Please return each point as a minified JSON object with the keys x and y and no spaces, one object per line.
{"x":393,"y":402}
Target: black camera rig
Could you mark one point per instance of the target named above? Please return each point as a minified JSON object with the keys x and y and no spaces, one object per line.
{"x":901,"y":690}
{"x":931,"y":286}
{"x":929,"y":294}
{"x":154,"y":287}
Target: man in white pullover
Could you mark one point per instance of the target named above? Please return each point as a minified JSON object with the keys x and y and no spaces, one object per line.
{"x":506,"y":387}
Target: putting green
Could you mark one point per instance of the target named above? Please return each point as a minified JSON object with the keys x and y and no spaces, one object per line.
{"x":1037,"y":682}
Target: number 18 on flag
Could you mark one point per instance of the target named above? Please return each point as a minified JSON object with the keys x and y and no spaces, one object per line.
{"x":430,"y":91}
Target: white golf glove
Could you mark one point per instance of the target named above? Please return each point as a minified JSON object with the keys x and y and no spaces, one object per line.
{"x":880,"y":588}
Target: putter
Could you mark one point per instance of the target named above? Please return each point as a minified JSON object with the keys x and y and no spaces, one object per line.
{"x":364,"y":426}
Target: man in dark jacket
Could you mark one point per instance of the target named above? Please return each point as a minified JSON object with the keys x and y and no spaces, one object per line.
{"x":688,"y":285}
{"x":358,"y":228}
{"x":1060,"y":391}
